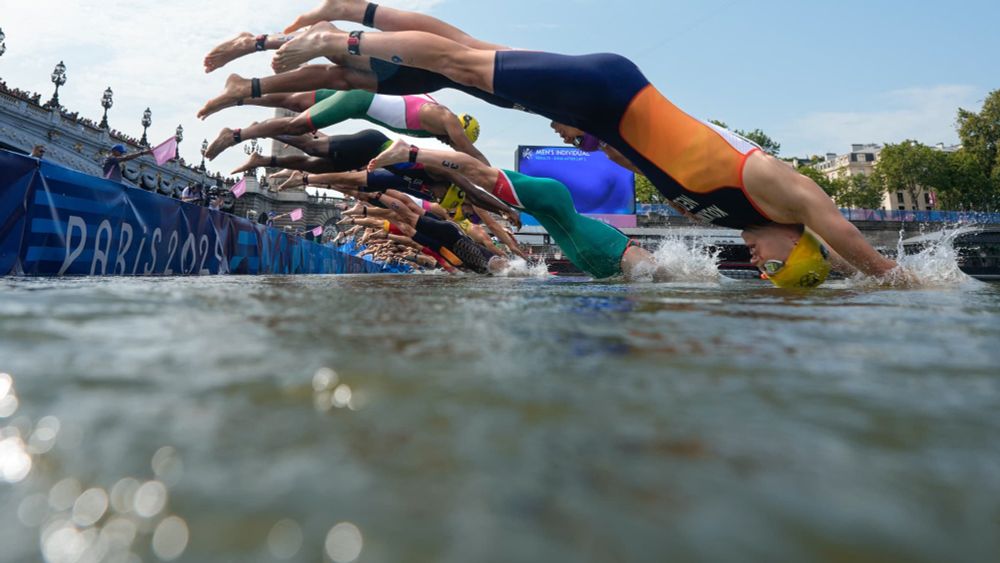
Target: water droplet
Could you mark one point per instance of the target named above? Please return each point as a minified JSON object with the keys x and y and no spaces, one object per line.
{"x":324,"y":379}
{"x":344,"y":543}
{"x":119,"y":533}
{"x":15,"y":463}
{"x":63,"y":494}
{"x":170,"y":538}
{"x":167,"y":465}
{"x":33,"y":510}
{"x":44,"y":436}
{"x":8,"y":405}
{"x":150,"y":499}
{"x":123,"y":495}
{"x":90,"y":507}
{"x":341,"y":395}
{"x":6,"y":382}
{"x":284,"y":539}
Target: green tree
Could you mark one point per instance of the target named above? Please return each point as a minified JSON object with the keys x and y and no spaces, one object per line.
{"x":860,"y":192}
{"x":968,"y":186}
{"x":910,"y":167}
{"x":980,"y":135}
{"x":769,"y":145}
{"x":645,"y":192}
{"x":833,"y":188}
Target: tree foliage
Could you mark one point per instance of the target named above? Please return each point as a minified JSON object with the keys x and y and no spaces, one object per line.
{"x":976,"y":167}
{"x":860,"y":192}
{"x":645,"y":192}
{"x":910,"y":167}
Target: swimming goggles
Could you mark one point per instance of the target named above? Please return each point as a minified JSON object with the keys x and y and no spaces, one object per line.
{"x":772,"y":267}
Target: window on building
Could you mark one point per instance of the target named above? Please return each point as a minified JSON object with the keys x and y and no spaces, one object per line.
{"x":899,"y":197}
{"x":927,"y":198}
{"x":902,"y":208}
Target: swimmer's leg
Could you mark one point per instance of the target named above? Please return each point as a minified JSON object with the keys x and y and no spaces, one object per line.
{"x":476,"y":171}
{"x":339,"y":107}
{"x":386,"y":19}
{"x":462,"y":64}
{"x":238,"y":91}
{"x":318,"y":146}
{"x":243,"y":44}
{"x":268,"y":128}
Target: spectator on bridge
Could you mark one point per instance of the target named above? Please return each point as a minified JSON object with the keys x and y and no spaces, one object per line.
{"x":112,"y":164}
{"x":215,"y":202}
{"x":192,"y":194}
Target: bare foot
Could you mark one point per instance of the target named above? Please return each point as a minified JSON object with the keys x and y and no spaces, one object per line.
{"x":282,"y":174}
{"x":398,"y":151}
{"x":314,"y":43}
{"x":358,"y":209}
{"x":243,"y":44}
{"x":236,"y":89}
{"x":221,"y":143}
{"x":255,"y":161}
{"x":293,"y":181}
{"x":329,"y":10}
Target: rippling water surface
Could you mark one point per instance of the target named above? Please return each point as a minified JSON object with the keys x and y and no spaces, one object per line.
{"x":436,"y":418}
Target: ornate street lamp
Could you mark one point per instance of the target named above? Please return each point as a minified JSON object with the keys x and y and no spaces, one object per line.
{"x":180,"y":137}
{"x":106,"y":102}
{"x":252,"y":148}
{"x":58,"y":78}
{"x":147,"y":120}
{"x":3,"y":46}
{"x":204,"y":149}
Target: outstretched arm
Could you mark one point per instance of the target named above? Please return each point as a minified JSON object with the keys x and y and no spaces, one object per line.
{"x":135,"y":155}
{"x":821,"y":216}
{"x":498,"y":230}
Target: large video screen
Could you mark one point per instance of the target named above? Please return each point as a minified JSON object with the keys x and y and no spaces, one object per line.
{"x":598,"y":186}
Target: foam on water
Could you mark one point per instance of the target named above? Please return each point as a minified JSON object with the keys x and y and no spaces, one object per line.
{"x":685,"y":261}
{"x":520,"y":268}
{"x":936,"y":265}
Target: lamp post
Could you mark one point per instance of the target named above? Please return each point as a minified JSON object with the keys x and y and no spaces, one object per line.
{"x":252,"y":148}
{"x":147,"y":120}
{"x":3,"y":46}
{"x":180,"y":137}
{"x":106,"y":102}
{"x":204,"y":149}
{"x":58,"y":78}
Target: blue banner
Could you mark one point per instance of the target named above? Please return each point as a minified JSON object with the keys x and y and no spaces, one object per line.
{"x":55,"y":221}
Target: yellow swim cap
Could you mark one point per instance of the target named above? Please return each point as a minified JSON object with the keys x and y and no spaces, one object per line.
{"x":471,"y":126}
{"x":806,"y":265}
{"x":453,"y":198}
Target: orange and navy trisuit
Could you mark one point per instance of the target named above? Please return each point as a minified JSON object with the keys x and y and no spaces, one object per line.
{"x":697,"y":166}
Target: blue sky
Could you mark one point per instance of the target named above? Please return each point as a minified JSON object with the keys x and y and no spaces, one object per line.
{"x":814,"y":76}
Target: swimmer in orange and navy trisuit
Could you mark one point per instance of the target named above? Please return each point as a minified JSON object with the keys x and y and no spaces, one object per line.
{"x":713,"y":174}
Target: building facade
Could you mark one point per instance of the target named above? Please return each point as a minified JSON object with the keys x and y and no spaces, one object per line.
{"x":862,"y":160}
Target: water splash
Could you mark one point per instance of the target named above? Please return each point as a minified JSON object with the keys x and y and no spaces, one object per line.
{"x":934,"y":266}
{"x":682,"y":260}
{"x":520,"y":268}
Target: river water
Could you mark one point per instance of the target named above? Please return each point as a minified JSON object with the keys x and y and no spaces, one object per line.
{"x":451,"y":418}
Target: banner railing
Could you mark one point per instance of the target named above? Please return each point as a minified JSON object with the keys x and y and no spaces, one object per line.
{"x":56,"y":221}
